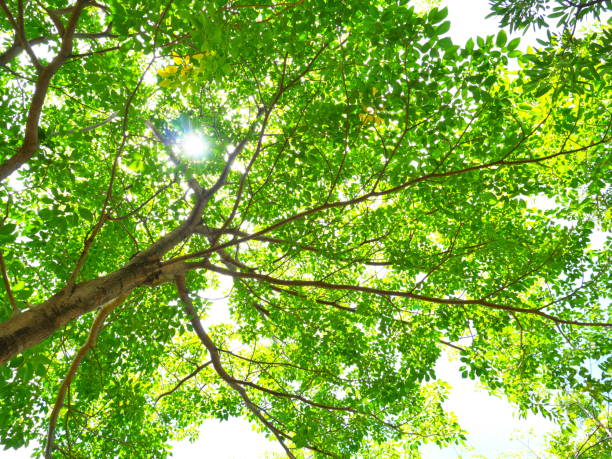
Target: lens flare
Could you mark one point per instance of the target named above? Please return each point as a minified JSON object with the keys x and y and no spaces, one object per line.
{"x":194,"y":145}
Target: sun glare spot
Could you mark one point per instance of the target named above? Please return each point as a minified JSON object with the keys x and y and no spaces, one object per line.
{"x":194,"y":145}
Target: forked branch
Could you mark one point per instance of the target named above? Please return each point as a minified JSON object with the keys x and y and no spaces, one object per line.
{"x":30,"y":138}
{"x":218,"y":366}
{"x":382,"y":292}
{"x":97,"y":325}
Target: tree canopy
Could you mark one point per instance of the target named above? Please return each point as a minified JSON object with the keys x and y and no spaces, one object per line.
{"x":372,"y":190}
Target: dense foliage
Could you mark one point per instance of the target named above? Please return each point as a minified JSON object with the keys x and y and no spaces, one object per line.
{"x":374,"y":192}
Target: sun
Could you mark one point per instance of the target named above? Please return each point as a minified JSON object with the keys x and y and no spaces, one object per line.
{"x":194,"y":145}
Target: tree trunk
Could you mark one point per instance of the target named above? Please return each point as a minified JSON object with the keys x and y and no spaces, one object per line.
{"x":30,"y":327}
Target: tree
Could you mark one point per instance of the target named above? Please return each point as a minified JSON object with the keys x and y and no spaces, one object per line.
{"x":584,"y":428}
{"x":366,"y":184}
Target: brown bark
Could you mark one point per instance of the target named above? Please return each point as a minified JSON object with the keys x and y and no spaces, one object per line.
{"x":97,"y":325}
{"x":30,"y":327}
{"x":215,"y":358}
{"x":30,"y":138}
{"x":382,"y":292}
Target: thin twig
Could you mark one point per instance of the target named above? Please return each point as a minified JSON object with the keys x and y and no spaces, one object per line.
{"x":107,"y":120}
{"x":86,"y":246}
{"x":183,"y":380}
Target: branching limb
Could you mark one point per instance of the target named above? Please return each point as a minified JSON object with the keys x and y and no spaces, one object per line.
{"x":218,"y":232}
{"x":141,"y":206}
{"x":30,"y":138}
{"x":313,"y":403}
{"x":86,"y":246}
{"x":183,"y":381}
{"x":267,"y":111}
{"x":230,"y":262}
{"x":184,"y":230}
{"x":383,"y":292}
{"x":373,"y":194}
{"x":18,"y":26}
{"x":263,"y":363}
{"x":91,"y":339}
{"x":16,"y":49}
{"x":217,"y":365}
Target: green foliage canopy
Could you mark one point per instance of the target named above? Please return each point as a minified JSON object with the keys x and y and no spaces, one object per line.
{"x":366,"y":184}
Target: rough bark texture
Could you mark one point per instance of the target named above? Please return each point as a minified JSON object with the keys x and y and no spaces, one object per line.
{"x":30,"y":327}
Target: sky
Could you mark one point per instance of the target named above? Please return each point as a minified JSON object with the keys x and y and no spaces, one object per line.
{"x":493,"y":426}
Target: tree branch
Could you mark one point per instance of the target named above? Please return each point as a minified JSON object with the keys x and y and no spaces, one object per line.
{"x":217,"y":365}
{"x":97,"y":325}
{"x":86,"y":246}
{"x":382,"y":292}
{"x":30,"y":138}
{"x":16,"y":49}
{"x":373,"y":194}
{"x":105,"y":121}
{"x":18,"y":26}
{"x":7,"y":285}
{"x":169,"y":240}
{"x":183,"y":381}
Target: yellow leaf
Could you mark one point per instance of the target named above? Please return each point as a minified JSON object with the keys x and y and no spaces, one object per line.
{"x":165,"y":83}
{"x":167,"y":71}
{"x":198,"y":56}
{"x":367,"y":118}
{"x":185,"y":71}
{"x":374,"y":91}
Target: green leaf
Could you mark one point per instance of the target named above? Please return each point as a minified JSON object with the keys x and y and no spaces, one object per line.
{"x":542,"y":90}
{"x":438,"y":15}
{"x":7,"y":228}
{"x":443,"y":28}
{"x":85,"y":213}
{"x":445,"y":43}
{"x":513,"y":44}
{"x":469,"y":45}
{"x":501,"y":39}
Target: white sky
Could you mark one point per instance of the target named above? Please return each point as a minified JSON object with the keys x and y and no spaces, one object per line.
{"x":491,"y":422}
